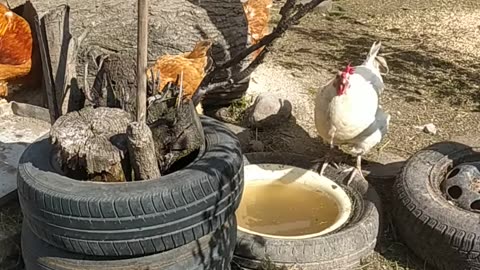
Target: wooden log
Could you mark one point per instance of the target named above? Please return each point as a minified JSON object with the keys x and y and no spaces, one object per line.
{"x":92,"y":144}
{"x":115,"y":85}
{"x":177,"y":132}
{"x":141,"y":149}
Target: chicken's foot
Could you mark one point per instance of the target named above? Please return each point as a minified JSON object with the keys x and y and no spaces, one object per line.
{"x":355,"y":170}
{"x":327,"y":159}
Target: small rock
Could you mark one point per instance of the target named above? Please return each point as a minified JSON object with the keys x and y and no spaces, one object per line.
{"x":420,"y":92}
{"x":257,"y":146}
{"x":269,"y":110}
{"x":428,"y":128}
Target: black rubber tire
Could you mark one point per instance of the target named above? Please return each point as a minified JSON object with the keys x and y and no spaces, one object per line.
{"x":134,"y":218}
{"x":444,"y":235}
{"x":342,"y":249}
{"x":211,"y":252}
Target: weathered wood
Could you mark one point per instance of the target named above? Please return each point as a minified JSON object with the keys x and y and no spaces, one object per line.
{"x":141,"y":149}
{"x":177,"y":132}
{"x":115,"y":85}
{"x":174,"y":27}
{"x":47,"y":72}
{"x":142,"y":37}
{"x":59,"y":56}
{"x":92,"y":144}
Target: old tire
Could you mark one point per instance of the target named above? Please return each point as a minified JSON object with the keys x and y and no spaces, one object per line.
{"x":211,"y":252}
{"x":444,"y":235}
{"x":133,"y":218}
{"x":342,"y":249}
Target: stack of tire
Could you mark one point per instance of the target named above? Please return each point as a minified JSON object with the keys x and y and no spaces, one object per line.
{"x":182,"y":221}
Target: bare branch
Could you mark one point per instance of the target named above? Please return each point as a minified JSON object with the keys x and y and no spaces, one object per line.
{"x":180,"y":93}
{"x":291,"y":14}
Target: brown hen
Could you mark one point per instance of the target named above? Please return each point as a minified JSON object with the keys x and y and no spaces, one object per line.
{"x":194,"y":64}
{"x":258,"y":18}
{"x":15,"y":48}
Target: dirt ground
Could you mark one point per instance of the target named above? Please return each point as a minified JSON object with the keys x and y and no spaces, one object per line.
{"x":432,"y":49}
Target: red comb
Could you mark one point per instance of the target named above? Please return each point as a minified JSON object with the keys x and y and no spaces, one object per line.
{"x":349,"y":69}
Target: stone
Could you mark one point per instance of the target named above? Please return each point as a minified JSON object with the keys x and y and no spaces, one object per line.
{"x":429,"y":128}
{"x":19,"y":127}
{"x":269,"y":110}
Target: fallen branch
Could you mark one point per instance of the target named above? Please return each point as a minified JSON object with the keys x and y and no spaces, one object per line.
{"x":141,"y":149}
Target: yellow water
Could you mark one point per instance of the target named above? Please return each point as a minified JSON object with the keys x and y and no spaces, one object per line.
{"x":285,"y":209}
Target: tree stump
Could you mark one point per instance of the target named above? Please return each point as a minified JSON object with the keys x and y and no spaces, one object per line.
{"x":177,"y":131}
{"x":92,"y":144}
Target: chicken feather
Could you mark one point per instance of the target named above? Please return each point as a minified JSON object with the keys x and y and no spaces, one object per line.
{"x":353,"y":117}
{"x":257,"y":13}
{"x":194,"y":65}
{"x":15,"y":48}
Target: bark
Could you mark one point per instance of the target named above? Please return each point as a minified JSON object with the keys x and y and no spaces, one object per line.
{"x":174,"y":27}
{"x":115,"y":85}
{"x":92,"y":144}
{"x":141,"y":149}
{"x":177,"y":132}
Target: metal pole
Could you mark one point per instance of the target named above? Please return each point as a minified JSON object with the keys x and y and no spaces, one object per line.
{"x":142,"y":40}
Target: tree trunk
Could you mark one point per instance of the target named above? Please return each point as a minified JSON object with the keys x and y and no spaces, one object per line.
{"x":174,"y":26}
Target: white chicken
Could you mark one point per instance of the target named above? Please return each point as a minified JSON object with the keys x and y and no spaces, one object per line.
{"x":347,"y":109}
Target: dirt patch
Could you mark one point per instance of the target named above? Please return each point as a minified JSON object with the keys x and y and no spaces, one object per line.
{"x":432,"y":51}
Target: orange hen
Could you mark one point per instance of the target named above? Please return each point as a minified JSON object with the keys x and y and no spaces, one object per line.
{"x":15,"y":48}
{"x":194,"y":65}
{"x":258,"y":18}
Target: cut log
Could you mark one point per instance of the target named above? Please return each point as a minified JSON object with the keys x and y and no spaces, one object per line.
{"x":177,"y":132}
{"x":141,"y":149}
{"x":92,"y":144}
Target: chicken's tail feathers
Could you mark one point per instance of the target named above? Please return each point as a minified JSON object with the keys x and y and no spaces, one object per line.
{"x":372,"y":54}
{"x":375,"y":61}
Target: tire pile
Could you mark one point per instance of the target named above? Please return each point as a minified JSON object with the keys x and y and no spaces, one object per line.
{"x":432,"y":222}
{"x":182,"y":221}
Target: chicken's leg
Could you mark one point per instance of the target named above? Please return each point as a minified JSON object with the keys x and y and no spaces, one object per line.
{"x":356,"y":169}
{"x":327,"y":158}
